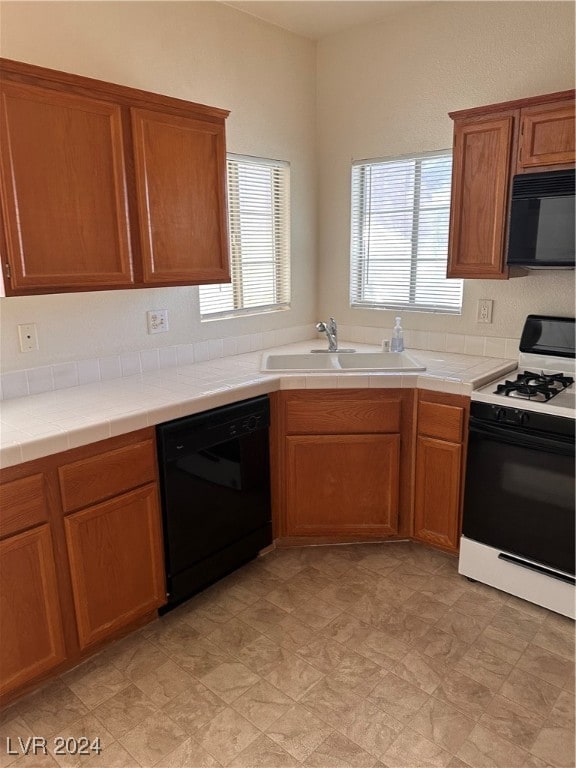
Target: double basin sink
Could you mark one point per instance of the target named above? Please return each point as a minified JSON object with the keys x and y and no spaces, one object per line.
{"x":379,"y":362}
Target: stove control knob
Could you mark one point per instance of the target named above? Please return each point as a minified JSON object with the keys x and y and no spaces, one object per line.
{"x":500,"y":414}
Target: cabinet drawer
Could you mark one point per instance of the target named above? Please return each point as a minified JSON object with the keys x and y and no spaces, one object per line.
{"x":444,"y":422}
{"x":109,"y":474}
{"x":331,"y":413}
{"x":23,"y":504}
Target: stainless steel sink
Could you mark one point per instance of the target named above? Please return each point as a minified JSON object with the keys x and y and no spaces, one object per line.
{"x":342,"y":362}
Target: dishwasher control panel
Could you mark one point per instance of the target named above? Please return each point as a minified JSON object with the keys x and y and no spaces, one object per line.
{"x":215,"y":426}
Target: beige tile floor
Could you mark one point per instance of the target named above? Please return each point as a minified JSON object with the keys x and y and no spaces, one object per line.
{"x":366,"y":656}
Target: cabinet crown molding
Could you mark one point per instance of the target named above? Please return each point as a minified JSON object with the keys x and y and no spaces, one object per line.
{"x":55,"y":78}
{"x":513,"y":105}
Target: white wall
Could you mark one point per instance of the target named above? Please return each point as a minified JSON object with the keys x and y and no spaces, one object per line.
{"x":373,"y":91}
{"x":203,"y":52}
{"x":386,"y":89}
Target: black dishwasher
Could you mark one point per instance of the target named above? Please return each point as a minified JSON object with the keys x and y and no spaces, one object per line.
{"x":215,"y":486}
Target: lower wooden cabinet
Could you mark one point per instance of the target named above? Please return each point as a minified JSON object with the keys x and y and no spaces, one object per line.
{"x":31,"y":635}
{"x":344,"y":483}
{"x":437,"y":498}
{"x":439,"y":471}
{"x":81,"y":555}
{"x":341,"y":463}
{"x":116,"y":562}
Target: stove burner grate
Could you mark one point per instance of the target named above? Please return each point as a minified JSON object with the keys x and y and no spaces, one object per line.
{"x":539,"y":386}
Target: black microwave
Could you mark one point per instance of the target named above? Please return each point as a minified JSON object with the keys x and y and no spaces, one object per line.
{"x":542,"y":221}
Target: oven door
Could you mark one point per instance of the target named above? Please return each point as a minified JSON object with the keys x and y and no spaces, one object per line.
{"x":519,"y":494}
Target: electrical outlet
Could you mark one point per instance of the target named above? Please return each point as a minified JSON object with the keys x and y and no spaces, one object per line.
{"x":484,"y":312}
{"x":28,"y":337}
{"x":157,"y":320}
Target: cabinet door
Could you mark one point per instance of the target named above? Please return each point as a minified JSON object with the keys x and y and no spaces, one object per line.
{"x":547,"y":135}
{"x":480,"y":183}
{"x":437,"y":500}
{"x":31,"y":636}
{"x":116,"y":563}
{"x":63,"y":191}
{"x":180,"y":176}
{"x":342,"y":484}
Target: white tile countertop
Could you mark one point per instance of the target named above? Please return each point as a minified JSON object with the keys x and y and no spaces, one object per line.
{"x":40,"y":425}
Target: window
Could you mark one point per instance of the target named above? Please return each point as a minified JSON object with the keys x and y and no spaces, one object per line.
{"x":259,"y":230}
{"x":399,"y":243}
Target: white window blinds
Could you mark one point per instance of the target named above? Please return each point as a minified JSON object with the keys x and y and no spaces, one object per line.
{"x":259,"y":230}
{"x":399,"y":238}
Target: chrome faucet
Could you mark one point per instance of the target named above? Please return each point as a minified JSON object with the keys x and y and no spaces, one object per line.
{"x":331,"y":330}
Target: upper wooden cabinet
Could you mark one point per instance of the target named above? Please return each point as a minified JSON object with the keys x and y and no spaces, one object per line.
{"x":547,"y":135}
{"x":107,"y":187}
{"x":64,"y":190}
{"x":491,"y":144}
{"x":481,"y":173}
{"x":181,"y":210}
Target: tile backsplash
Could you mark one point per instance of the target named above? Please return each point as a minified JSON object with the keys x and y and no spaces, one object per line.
{"x":33,"y":381}
{"x":483,"y":346}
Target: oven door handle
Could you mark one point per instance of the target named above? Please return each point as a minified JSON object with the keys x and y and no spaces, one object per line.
{"x":537,"y":568}
{"x":516,"y":437}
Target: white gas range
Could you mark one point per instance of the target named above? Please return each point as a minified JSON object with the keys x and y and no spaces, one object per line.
{"x":518,"y":521}
{"x":543,"y":384}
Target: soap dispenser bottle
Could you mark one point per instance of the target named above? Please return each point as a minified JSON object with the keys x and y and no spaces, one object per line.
{"x":397,"y":344}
